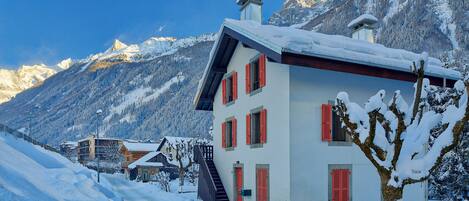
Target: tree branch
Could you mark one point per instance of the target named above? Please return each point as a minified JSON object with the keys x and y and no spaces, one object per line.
{"x":418,"y":91}
{"x":351,"y":130}
{"x":370,"y":140}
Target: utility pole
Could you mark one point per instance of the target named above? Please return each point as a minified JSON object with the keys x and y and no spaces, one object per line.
{"x":98,"y":113}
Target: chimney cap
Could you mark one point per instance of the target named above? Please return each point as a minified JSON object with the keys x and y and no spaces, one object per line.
{"x":244,"y":2}
{"x":365,"y":19}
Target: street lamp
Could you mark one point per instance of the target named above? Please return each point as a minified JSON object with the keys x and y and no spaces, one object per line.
{"x":98,"y":113}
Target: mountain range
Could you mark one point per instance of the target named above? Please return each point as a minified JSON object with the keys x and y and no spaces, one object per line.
{"x":144,"y":90}
{"x":439,"y":27}
{"x":16,"y":81}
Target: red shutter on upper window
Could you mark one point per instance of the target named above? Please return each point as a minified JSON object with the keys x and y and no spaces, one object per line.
{"x":263,"y":126}
{"x":262,"y":64}
{"x":223,"y":135}
{"x":248,"y":78}
{"x":235,"y":85}
{"x":223,"y":89}
{"x":233,"y":131}
{"x":326,"y":122}
{"x":248,"y":129}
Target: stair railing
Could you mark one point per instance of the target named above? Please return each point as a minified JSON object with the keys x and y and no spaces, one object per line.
{"x":202,"y":154}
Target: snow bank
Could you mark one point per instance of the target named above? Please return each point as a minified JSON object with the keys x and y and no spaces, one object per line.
{"x":28,"y":172}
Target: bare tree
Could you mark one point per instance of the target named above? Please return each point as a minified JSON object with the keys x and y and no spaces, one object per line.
{"x":394,"y":136}
{"x":193,"y":174}
{"x":163,"y":180}
{"x":183,"y":150}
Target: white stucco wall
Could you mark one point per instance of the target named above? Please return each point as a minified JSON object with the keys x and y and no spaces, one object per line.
{"x":310,"y":157}
{"x":274,"y":97}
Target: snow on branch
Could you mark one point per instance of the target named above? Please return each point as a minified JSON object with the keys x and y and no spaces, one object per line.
{"x":394,"y":136}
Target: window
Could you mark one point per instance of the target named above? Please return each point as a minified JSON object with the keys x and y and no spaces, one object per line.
{"x":339,"y":184}
{"x":262,"y":183}
{"x":255,"y":84}
{"x":332,"y":129}
{"x":256,"y":127}
{"x":229,"y":133}
{"x":255,"y":74}
{"x":230,"y":88}
{"x":338,"y":132}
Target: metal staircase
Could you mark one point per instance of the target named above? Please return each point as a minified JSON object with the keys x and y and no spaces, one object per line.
{"x":210,"y":186}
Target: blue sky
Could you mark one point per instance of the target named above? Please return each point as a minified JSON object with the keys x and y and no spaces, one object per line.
{"x":47,"y":31}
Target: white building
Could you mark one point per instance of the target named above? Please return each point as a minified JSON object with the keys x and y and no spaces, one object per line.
{"x":270,"y":89}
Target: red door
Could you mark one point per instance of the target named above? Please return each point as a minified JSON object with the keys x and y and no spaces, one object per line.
{"x":238,"y":183}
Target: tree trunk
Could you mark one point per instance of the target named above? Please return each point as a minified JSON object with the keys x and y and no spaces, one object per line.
{"x":389,"y":193}
{"x":181,"y":176}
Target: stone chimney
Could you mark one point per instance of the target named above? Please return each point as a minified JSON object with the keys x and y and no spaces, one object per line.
{"x":251,"y":10}
{"x":362,"y":27}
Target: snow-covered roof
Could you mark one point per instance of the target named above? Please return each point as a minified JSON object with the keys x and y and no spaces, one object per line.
{"x":173,"y":140}
{"x":337,"y":47}
{"x":70,"y":143}
{"x":143,"y":161}
{"x":363,"y":19}
{"x":101,"y":138}
{"x":137,"y":146}
{"x":280,"y":43}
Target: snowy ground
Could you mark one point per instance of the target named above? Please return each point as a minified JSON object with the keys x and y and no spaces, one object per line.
{"x":28,"y":172}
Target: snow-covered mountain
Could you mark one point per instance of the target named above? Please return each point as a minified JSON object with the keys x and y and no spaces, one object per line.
{"x":145,"y":91}
{"x":439,"y":27}
{"x":13,"y":82}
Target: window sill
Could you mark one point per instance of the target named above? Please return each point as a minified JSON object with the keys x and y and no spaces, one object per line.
{"x":254,"y":92}
{"x":230,"y":103}
{"x":340,"y":143}
{"x":229,"y":149}
{"x":256,"y":146}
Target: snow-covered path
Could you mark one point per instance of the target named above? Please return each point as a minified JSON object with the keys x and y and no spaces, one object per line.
{"x":28,"y":172}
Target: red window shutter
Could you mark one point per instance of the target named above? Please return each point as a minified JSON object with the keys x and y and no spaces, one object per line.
{"x":248,"y":78}
{"x":223,"y":86}
{"x":336,"y":185}
{"x":258,"y":184}
{"x":345,"y":185}
{"x":262,"y":184}
{"x":239,"y":183}
{"x":326,"y":122}
{"x":263,"y":126}
{"x":262,"y":64}
{"x":233,"y":131}
{"x":248,"y":129}
{"x":223,"y":135}
{"x":235,"y":85}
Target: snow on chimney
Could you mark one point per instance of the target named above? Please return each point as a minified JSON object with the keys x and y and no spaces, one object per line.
{"x":251,"y":10}
{"x":362,"y":27}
